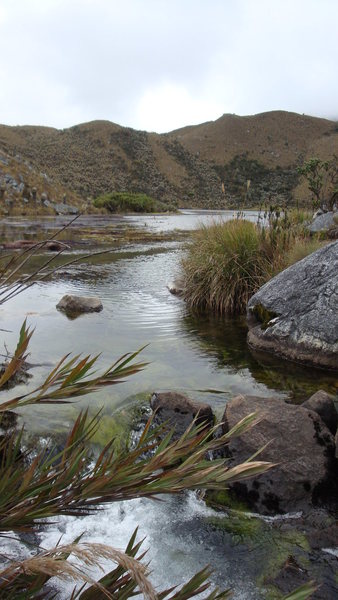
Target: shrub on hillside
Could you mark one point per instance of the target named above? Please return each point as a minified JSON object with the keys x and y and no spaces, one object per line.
{"x":120,"y":202}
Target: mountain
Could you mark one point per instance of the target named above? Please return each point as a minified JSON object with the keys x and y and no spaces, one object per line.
{"x":207,"y":165}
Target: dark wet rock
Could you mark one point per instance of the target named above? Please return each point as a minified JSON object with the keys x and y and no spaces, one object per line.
{"x":176,"y":287}
{"x":8,"y":420}
{"x":322,"y":403}
{"x":295,"y":315}
{"x":179,"y":411}
{"x":300,"y":445}
{"x":18,"y":245}
{"x":322,"y":222}
{"x":20,"y":376}
{"x":323,"y":537}
{"x":75,"y":305}
{"x":54,"y":246}
{"x":290,"y":576}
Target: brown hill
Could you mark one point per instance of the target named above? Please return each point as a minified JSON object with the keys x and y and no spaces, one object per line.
{"x":187,"y":166}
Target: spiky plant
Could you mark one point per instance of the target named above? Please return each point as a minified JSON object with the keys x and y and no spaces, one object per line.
{"x":71,"y":481}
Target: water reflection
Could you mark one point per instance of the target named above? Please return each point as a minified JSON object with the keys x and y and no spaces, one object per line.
{"x":225,"y":339}
{"x":186,"y":352}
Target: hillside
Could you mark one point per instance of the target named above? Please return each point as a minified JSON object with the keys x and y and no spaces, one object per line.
{"x":187,"y":166}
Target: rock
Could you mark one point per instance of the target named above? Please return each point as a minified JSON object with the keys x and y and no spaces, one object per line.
{"x":300,"y":445}
{"x":65,"y":209}
{"x":8,"y":420}
{"x":19,"y":244}
{"x":290,"y":576}
{"x":54,"y":246}
{"x":75,"y":305}
{"x":176,"y":287}
{"x":322,"y":222}
{"x":295,"y":314}
{"x":322,"y":403}
{"x":179,"y":411}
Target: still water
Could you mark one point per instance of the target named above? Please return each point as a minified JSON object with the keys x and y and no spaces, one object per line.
{"x":186,"y":352}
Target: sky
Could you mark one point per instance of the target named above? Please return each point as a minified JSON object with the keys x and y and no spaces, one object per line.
{"x":158,"y":65}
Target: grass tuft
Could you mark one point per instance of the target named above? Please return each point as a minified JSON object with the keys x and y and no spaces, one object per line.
{"x":227,"y":262}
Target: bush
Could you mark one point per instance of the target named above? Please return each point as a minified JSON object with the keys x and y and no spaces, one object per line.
{"x":227,"y":262}
{"x":120,"y":202}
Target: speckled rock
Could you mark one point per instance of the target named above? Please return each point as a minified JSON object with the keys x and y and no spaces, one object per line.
{"x":75,"y":305}
{"x":299,"y":444}
{"x":295,"y":314}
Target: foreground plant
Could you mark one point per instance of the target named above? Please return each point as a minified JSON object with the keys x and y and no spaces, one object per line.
{"x":72,"y":481}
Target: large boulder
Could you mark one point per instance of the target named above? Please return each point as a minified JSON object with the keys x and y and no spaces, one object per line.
{"x":299,"y":444}
{"x":295,"y":314}
{"x":179,"y":411}
{"x":75,"y":305}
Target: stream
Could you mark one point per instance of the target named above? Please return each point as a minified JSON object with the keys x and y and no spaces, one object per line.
{"x":186,"y":352}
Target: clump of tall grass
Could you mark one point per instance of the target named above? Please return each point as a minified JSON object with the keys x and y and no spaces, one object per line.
{"x":223,"y":267}
{"x":227,"y":262}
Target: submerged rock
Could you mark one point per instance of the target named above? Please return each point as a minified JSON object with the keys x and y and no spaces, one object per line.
{"x":176,"y":287}
{"x":295,"y":315}
{"x":75,"y":305}
{"x":299,"y":444}
{"x":179,"y":411}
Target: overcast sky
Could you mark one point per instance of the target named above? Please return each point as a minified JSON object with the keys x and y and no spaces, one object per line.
{"x":162,"y":64}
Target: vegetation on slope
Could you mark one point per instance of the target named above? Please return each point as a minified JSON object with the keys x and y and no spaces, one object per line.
{"x":122,"y":202}
{"x":188,"y":166}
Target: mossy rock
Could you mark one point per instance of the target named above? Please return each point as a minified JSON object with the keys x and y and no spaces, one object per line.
{"x":263,"y":315}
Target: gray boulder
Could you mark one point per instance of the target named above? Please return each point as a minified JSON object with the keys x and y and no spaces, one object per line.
{"x":322,"y":403}
{"x":179,"y":411}
{"x":75,"y":305}
{"x":322,"y":222}
{"x":295,"y":314}
{"x":299,"y":444}
{"x":65,"y":209}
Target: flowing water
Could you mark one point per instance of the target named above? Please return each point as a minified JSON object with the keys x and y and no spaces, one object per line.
{"x":187,"y":353}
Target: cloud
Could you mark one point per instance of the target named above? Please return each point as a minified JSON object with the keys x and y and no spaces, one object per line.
{"x":169,"y":106}
{"x":159,"y":64}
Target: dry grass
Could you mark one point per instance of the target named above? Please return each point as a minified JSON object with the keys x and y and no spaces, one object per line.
{"x":227,"y":262}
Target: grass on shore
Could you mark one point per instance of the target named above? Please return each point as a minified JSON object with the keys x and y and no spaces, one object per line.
{"x":227,"y":262}
{"x":121,"y":202}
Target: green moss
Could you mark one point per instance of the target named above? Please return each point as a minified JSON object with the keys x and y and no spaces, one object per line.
{"x":263,"y":315}
{"x":116,"y":427}
{"x":281,"y":546}
{"x":223,"y":499}
{"x":240,"y":526}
